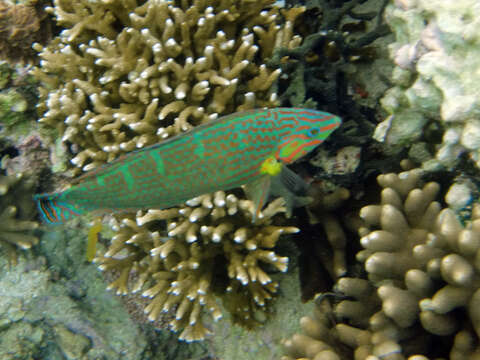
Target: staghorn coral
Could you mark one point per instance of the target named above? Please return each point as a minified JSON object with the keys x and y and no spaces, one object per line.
{"x":433,"y":104}
{"x":208,"y":253}
{"x":16,"y":213}
{"x":20,"y":26}
{"x":126,"y":74}
{"x":422,"y":284}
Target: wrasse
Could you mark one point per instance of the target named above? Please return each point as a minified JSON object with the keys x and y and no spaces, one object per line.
{"x":247,"y":148}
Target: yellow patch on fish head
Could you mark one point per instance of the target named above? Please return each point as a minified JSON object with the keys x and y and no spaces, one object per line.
{"x":271,"y":166}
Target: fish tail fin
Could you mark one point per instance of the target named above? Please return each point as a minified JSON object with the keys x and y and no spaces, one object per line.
{"x":53,"y":210}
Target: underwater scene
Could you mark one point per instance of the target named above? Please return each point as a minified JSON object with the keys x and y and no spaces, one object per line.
{"x":239,"y":180}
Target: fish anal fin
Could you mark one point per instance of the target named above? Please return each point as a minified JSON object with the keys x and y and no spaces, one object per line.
{"x":92,"y":239}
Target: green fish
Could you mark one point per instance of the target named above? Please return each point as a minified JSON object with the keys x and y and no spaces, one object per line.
{"x":247,"y":148}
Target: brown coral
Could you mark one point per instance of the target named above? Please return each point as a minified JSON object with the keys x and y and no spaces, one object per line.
{"x":323,"y":239}
{"x":20,"y":27}
{"x":16,"y":213}
{"x":422,"y":283}
{"x":127,"y":74}
{"x":209,"y":252}
{"x":164,"y":68}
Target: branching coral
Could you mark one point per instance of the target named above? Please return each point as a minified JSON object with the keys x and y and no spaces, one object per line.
{"x":123,"y":75}
{"x":126,"y":74}
{"x":422,"y":283}
{"x":312,"y":69}
{"x":323,"y":239}
{"x":16,"y":213}
{"x":207,"y":254}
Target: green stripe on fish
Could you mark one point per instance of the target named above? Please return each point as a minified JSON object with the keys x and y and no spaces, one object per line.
{"x":245,"y":148}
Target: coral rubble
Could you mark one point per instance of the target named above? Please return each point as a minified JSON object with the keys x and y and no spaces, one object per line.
{"x":54,"y":306}
{"x":210,"y":252}
{"x":126,"y":74}
{"x":436,"y":81}
{"x":422,"y":283}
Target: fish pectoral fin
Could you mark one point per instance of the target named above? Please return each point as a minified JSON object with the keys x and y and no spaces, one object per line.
{"x":294,"y":183}
{"x":292,"y":188}
{"x":257,"y":191}
{"x":286,"y":184}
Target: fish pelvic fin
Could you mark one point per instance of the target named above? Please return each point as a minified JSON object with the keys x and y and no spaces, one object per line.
{"x":257,"y":191}
{"x":277,"y":179}
{"x":53,"y":210}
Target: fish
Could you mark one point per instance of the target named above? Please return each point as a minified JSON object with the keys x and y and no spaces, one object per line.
{"x":249,"y":148}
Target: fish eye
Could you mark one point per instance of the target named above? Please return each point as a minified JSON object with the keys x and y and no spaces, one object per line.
{"x":313,"y":132}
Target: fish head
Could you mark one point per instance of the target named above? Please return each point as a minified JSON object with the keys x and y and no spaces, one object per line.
{"x":308,"y":129}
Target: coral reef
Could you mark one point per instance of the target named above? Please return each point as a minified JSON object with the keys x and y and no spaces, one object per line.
{"x":29,"y":157}
{"x":209,"y":252}
{"x":422,"y":283}
{"x":345,"y":161}
{"x":322,"y":241}
{"x":54,"y":306}
{"x":16,"y":213}
{"x":338,"y":38}
{"x":433,"y":106}
{"x":21,"y":25}
{"x":124,"y":75}
{"x":17,"y":99}
{"x":231,"y":341}
{"x":343,"y":66}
